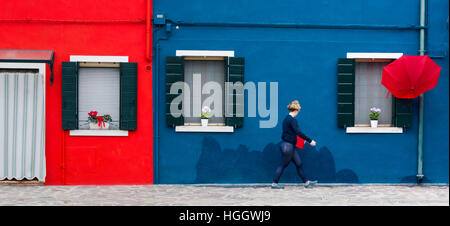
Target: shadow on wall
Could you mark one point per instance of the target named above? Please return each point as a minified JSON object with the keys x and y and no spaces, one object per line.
{"x":244,"y":166}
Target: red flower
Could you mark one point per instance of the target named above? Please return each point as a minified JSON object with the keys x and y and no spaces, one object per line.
{"x":92,"y":113}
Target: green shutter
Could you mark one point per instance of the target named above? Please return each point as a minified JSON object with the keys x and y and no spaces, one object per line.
{"x":401,"y":112}
{"x":346,"y":92}
{"x":128,"y":96}
{"x":174,"y":73}
{"x":69,"y":87}
{"x":234,"y":72}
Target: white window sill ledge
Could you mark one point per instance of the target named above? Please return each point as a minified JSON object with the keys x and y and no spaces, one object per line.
{"x":102,"y":133}
{"x":207,"y":129}
{"x":374,"y":130}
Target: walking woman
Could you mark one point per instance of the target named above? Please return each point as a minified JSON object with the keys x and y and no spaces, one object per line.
{"x":287,"y":147}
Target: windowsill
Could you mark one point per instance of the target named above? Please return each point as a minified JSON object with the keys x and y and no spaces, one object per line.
{"x":206,"y":129}
{"x":102,"y":133}
{"x":374,"y":130}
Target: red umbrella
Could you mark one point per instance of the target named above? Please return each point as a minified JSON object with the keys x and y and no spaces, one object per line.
{"x":410,"y":76}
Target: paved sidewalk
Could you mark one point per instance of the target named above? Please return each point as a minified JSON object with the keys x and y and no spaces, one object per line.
{"x":224,"y":195}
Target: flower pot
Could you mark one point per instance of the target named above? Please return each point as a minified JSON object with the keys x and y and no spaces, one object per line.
{"x":93,"y":125}
{"x":204,"y":122}
{"x":373,"y":123}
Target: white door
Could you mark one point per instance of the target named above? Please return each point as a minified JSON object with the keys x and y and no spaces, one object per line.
{"x":22,"y":124}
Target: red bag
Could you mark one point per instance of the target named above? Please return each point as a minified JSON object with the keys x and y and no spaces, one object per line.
{"x":300,"y":142}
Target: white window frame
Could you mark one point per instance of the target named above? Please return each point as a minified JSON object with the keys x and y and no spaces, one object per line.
{"x":199,"y":128}
{"x":98,"y":59}
{"x":374,"y":55}
{"x":205,"y":53}
{"x":212,"y":129}
{"x":101,"y":59}
{"x":39,"y":66}
{"x":368,"y":129}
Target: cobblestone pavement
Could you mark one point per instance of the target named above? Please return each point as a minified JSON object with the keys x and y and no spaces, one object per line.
{"x":225,"y":195}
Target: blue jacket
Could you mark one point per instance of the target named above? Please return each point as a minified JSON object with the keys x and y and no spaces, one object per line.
{"x":291,"y":131}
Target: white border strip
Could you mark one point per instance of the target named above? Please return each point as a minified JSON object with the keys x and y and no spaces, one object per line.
{"x":208,"y":129}
{"x":374,"y":130}
{"x":374,"y":55}
{"x":102,"y":133}
{"x":205,"y":53}
{"x":40,"y":66}
{"x":103,"y":59}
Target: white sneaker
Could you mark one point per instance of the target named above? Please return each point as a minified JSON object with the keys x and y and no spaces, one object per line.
{"x":310,"y":183}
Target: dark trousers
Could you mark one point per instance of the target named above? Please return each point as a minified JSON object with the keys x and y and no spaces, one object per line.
{"x":289,"y":154}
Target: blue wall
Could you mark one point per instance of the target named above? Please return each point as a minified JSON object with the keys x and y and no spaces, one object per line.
{"x":304,"y":63}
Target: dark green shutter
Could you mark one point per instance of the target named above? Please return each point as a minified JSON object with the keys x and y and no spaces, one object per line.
{"x":174,"y":73}
{"x":234,"y":72}
{"x":128,"y":96}
{"x":69,"y":87}
{"x":346,"y":92}
{"x":401,"y":112}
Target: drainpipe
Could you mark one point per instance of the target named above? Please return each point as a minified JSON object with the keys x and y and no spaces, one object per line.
{"x":63,"y":159}
{"x":297,"y":25}
{"x":156,"y":100}
{"x":147,"y":31}
{"x":157,"y":48}
{"x":156,"y":118}
{"x":421,"y":101}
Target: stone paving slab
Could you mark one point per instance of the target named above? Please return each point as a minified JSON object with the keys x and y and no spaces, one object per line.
{"x":225,"y":195}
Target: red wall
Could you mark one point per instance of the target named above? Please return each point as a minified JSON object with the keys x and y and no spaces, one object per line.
{"x":86,"y":27}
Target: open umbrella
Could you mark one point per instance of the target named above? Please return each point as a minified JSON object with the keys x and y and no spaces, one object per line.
{"x":410,"y":76}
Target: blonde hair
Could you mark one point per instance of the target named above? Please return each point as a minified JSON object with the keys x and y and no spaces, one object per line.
{"x":294,"y":106}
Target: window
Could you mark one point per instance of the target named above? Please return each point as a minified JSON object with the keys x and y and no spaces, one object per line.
{"x":196,"y":69}
{"x":102,"y":83}
{"x":99,"y":90}
{"x":370,"y":93}
{"x":359,"y":88}
{"x":205,"y":71}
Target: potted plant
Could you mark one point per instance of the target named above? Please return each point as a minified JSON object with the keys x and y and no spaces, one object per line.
{"x":97,"y":121}
{"x":374,"y":115}
{"x":205,"y":115}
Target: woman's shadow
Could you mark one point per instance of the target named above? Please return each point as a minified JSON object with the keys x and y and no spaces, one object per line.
{"x":245,"y":166}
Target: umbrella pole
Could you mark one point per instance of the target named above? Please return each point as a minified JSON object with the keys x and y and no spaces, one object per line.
{"x":421,"y":101}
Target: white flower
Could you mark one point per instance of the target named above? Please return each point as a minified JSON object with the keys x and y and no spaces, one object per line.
{"x":375,"y":110}
{"x":206,"y":109}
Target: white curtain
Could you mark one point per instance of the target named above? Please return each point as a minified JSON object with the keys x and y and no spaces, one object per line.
{"x":370,"y":93}
{"x":22,"y":125}
{"x":210,"y":71}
